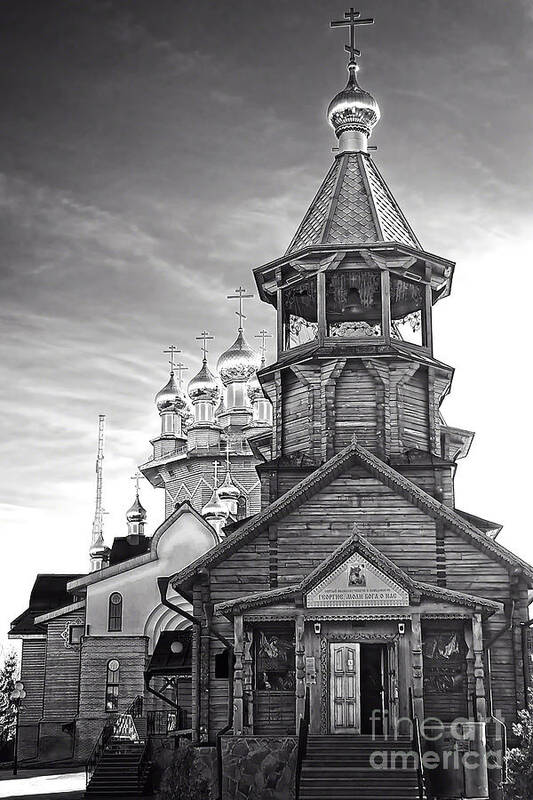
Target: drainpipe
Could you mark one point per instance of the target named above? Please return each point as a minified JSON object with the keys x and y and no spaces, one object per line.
{"x":208,"y":610}
{"x":162,"y":584}
{"x":507,"y":626}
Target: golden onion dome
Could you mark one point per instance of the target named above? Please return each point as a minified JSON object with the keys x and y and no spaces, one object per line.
{"x":171,"y":397}
{"x":215,"y":508}
{"x":254,"y":388}
{"x":136,"y":512}
{"x":353,"y":108}
{"x":227,"y":489}
{"x":238,"y":362}
{"x":204,"y":385}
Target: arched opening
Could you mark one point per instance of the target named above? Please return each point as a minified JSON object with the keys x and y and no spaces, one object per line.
{"x":115,"y":612}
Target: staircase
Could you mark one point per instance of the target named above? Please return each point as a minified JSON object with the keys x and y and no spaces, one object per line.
{"x":339,"y":767}
{"x":122,"y":771}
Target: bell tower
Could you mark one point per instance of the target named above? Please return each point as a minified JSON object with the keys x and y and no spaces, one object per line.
{"x":354,"y":295}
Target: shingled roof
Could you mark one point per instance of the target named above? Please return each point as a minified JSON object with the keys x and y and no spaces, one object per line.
{"x":354,"y":205}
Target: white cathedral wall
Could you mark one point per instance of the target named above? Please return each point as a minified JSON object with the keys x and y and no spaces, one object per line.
{"x":142,"y":611}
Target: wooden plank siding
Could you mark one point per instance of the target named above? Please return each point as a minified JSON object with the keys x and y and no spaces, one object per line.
{"x":356,"y":398}
{"x":62,"y":669}
{"x":413,"y":397}
{"x":295,"y":412}
{"x":32,"y":673}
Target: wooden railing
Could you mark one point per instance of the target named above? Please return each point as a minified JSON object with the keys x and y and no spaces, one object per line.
{"x":303,"y":732}
{"x":417,"y":748}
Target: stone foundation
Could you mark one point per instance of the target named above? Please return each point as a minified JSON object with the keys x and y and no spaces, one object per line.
{"x":258,"y":767}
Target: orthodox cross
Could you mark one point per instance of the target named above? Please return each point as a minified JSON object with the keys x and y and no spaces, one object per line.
{"x":263,"y":335}
{"x":240,"y":295}
{"x":204,"y":336}
{"x":351,"y":20}
{"x":216,"y":465}
{"x":137,"y":477}
{"x":172,"y":351}
{"x":181,"y":369}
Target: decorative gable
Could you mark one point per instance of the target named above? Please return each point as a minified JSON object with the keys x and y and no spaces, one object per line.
{"x":356,"y":583}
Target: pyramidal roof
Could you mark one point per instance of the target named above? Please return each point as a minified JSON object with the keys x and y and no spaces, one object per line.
{"x":354,"y":205}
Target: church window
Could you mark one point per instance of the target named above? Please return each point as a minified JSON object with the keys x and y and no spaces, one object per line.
{"x":112,"y":685}
{"x":115,"y":612}
{"x":75,"y":633}
{"x":407,"y":310}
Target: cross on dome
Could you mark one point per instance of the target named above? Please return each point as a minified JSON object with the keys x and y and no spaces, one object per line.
{"x":351,"y":20}
{"x":137,"y":477}
{"x":240,"y":295}
{"x":205,"y":337}
{"x":181,"y":369}
{"x":172,"y":351}
{"x":263,"y":335}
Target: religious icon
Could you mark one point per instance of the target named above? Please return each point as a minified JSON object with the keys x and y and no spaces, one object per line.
{"x":356,"y":576}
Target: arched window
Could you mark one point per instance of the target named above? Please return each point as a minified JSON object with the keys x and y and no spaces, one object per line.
{"x":115,"y":612}
{"x":111,"y":685}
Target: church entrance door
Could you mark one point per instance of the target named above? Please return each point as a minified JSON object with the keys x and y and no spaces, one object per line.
{"x":345,"y":687}
{"x":359,"y":696}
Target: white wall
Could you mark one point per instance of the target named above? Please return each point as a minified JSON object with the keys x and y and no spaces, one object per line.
{"x":142,"y":612}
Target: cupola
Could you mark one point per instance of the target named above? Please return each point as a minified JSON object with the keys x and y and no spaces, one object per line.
{"x":204,"y":393}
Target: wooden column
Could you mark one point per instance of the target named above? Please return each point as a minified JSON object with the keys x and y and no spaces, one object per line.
{"x":238,"y":688}
{"x":248,"y":682}
{"x":417,"y":667}
{"x":300,"y":667}
{"x":480,"y":702}
{"x":281,"y":324}
{"x":321,"y":306}
{"x":470,"y":680}
{"x":385,"y":305}
{"x":427,"y":324}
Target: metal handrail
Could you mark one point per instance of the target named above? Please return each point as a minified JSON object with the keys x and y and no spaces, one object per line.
{"x":106,"y":734}
{"x":504,"y":744}
{"x":417,"y":747}
{"x":303,"y":733}
{"x":98,"y":749}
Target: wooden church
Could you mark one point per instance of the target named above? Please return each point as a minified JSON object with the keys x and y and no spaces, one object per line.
{"x":359,"y":612}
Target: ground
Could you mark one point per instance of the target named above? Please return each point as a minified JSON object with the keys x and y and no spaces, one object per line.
{"x":49,"y":784}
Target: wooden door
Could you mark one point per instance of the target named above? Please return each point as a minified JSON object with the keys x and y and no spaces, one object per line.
{"x":345,"y":686}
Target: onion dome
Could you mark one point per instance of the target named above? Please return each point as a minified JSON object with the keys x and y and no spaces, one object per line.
{"x":171,"y":397}
{"x":227,"y":489}
{"x":204,"y":385}
{"x":136,"y":513}
{"x":215,"y":508}
{"x":353,"y":108}
{"x":238,"y":362}
{"x":254,"y":388}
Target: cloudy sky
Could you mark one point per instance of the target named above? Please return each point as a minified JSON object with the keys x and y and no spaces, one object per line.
{"x":154,"y":151}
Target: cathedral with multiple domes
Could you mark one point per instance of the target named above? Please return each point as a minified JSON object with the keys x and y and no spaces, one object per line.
{"x":313,"y":595}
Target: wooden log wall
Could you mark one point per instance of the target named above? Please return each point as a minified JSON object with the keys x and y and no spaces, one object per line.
{"x":62,"y":669}
{"x":32,"y":672}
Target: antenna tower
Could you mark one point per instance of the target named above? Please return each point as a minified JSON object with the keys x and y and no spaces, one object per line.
{"x":98,"y":522}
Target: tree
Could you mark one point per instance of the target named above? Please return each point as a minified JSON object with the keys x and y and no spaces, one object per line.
{"x":8,"y":676}
{"x":519,"y":783}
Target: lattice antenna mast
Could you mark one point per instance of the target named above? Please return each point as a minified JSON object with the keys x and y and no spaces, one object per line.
{"x":98,"y":523}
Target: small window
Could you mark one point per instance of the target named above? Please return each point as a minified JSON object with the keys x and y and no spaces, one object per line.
{"x":115,"y":612}
{"x":112,"y":684}
{"x":75,"y":633}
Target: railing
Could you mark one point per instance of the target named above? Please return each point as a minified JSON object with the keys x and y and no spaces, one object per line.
{"x":134,"y":710}
{"x":303,"y":731}
{"x":504,"y":744}
{"x":144,"y":764}
{"x":164,"y":723}
{"x":101,"y":743}
{"x":417,"y":748}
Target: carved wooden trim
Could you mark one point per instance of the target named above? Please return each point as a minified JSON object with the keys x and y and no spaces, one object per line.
{"x":479,"y":671}
{"x":417,"y":666}
{"x":277,"y":420}
{"x":300,"y":666}
{"x":248,"y":681}
{"x":238,"y":688}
